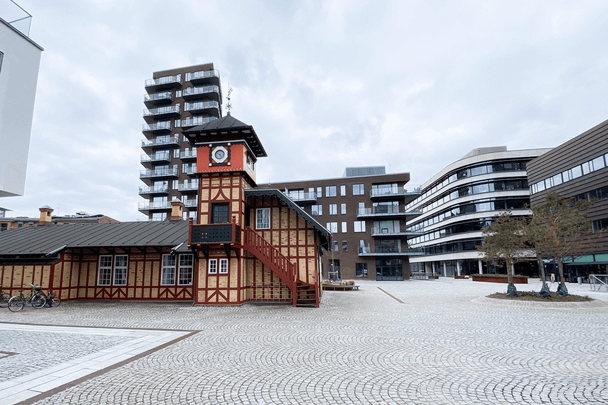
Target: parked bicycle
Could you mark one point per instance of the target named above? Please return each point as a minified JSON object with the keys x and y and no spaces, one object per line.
{"x":51,"y":299}
{"x":4,"y":297}
{"x":35,"y":297}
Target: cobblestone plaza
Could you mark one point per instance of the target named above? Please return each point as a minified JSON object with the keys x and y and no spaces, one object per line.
{"x":416,"y":342}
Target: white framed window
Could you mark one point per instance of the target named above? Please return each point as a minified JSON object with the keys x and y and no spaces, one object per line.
{"x":120,"y":270}
{"x":332,"y":227}
{"x":316,"y":210}
{"x":223,"y":266}
{"x":358,"y":189}
{"x":212,"y":266}
{"x":104,"y":272}
{"x":343,"y":208}
{"x":167,"y":275}
{"x":359,"y":226}
{"x":333,"y":209}
{"x":344,"y":227}
{"x":262,"y":218}
{"x":330,"y":191}
{"x":319,"y":192}
{"x":342,"y":190}
{"x":184,"y":273}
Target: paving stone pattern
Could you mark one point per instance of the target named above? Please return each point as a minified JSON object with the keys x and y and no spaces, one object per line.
{"x":445,"y":344}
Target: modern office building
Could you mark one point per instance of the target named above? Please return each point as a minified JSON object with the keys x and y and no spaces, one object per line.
{"x":19,"y":65}
{"x":462,"y":199}
{"x":579,"y":168}
{"x":175,"y":100}
{"x":365,"y":212}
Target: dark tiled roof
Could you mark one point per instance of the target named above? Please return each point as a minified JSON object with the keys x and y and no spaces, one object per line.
{"x":281,"y":196}
{"x":224,"y":129}
{"x":42,"y":240}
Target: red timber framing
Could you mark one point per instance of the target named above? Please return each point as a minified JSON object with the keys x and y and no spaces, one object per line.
{"x":75,"y":276}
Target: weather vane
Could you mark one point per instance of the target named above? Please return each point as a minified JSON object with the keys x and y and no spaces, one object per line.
{"x":229,"y":106}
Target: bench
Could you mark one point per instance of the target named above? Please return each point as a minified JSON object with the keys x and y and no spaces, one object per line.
{"x":335,"y":287}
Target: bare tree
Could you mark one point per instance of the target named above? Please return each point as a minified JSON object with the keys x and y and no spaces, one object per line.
{"x":557,"y":228}
{"x":504,"y":244}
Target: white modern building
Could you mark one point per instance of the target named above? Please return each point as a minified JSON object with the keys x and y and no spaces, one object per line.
{"x":19,"y":65}
{"x":461,"y":200}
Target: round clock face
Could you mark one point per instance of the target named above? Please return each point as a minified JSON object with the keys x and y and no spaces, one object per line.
{"x":219,"y":154}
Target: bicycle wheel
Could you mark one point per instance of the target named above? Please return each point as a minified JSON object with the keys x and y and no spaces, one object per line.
{"x":4,"y":298}
{"x":55,"y":302}
{"x":16,"y":304}
{"x":38,"y":301}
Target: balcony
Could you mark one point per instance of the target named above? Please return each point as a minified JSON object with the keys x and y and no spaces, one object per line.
{"x":390,"y":233}
{"x":214,"y":234}
{"x":151,"y":99}
{"x":190,"y":171}
{"x":147,"y":206}
{"x":156,"y":158}
{"x":367,"y":251}
{"x":302,"y":198}
{"x":187,"y":188}
{"x":156,"y":190}
{"x":209,"y":107}
{"x":162,"y":112}
{"x":204,"y":76}
{"x":188,"y":155}
{"x":387,"y":211}
{"x":394,"y":193}
{"x":200,"y":120}
{"x":190,"y":203}
{"x":159,"y":174}
{"x":164,"y":141}
{"x":161,"y":82}
{"x":212,"y":92}
{"x":162,"y":126}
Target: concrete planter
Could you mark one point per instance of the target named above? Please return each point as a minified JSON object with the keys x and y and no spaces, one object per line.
{"x":499,"y":278}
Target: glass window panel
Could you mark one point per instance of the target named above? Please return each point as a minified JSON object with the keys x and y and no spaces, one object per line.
{"x":576,"y":172}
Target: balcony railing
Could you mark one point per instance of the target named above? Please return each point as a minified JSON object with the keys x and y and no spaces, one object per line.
{"x":189,"y":122}
{"x":200,"y":106}
{"x":190,"y":203}
{"x":386,"y":210}
{"x":203,"y":74}
{"x":154,"y":190}
{"x":164,"y":96}
{"x":177,"y":79}
{"x":157,"y":157}
{"x":376,"y":231}
{"x":187,"y":187}
{"x":173,"y":140}
{"x":190,"y":170}
{"x":172,"y":172}
{"x":214,"y":233}
{"x":153,"y":206}
{"x":188,"y":154}
{"x":173,"y":109}
{"x":196,"y":91}
{"x":367,"y":251}
{"x":158,"y":126}
{"x":392,"y":192}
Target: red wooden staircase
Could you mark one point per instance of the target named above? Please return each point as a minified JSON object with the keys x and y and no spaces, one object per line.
{"x":303,"y":294}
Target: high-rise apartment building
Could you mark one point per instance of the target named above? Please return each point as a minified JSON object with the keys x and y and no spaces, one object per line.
{"x":175,"y":100}
{"x":365,"y":212}
{"x":19,"y":64}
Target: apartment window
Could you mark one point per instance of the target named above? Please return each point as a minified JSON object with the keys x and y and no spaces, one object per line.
{"x":212,"y":266}
{"x":223,"y":266}
{"x":361,"y":270}
{"x":332,"y":227}
{"x":344,"y":227}
{"x":178,"y":93}
{"x":168,"y":271}
{"x":316,"y":210}
{"x":343,"y":208}
{"x":262,"y":218}
{"x":333,"y":209}
{"x":344,"y":246}
{"x":334,"y":245}
{"x":342,"y":190}
{"x":3,"y":227}
{"x":330,"y":191}
{"x":359,"y":226}
{"x":106,"y":272}
{"x":319,"y":192}
{"x":219,"y":213}
{"x":184,"y":273}
{"x":358,"y":189}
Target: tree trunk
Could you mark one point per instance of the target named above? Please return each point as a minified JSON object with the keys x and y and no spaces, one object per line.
{"x":511,"y":290}
{"x":544,"y":291}
{"x":561,"y":289}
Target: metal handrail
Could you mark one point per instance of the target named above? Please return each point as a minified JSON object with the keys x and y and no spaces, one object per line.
{"x":594,"y":280}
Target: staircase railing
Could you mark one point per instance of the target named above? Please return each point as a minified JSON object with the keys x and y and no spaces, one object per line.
{"x":271,"y":257}
{"x":597,"y":281}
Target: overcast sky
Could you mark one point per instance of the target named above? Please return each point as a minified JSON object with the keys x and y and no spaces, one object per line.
{"x":410,"y":85}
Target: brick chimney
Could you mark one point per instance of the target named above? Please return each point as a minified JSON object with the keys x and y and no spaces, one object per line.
{"x":45,"y":215}
{"x":177,"y":209}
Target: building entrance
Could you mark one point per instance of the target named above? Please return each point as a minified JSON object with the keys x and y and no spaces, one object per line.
{"x":389,"y":269}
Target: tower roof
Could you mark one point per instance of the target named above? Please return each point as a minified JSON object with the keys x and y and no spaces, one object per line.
{"x":225,"y":129}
